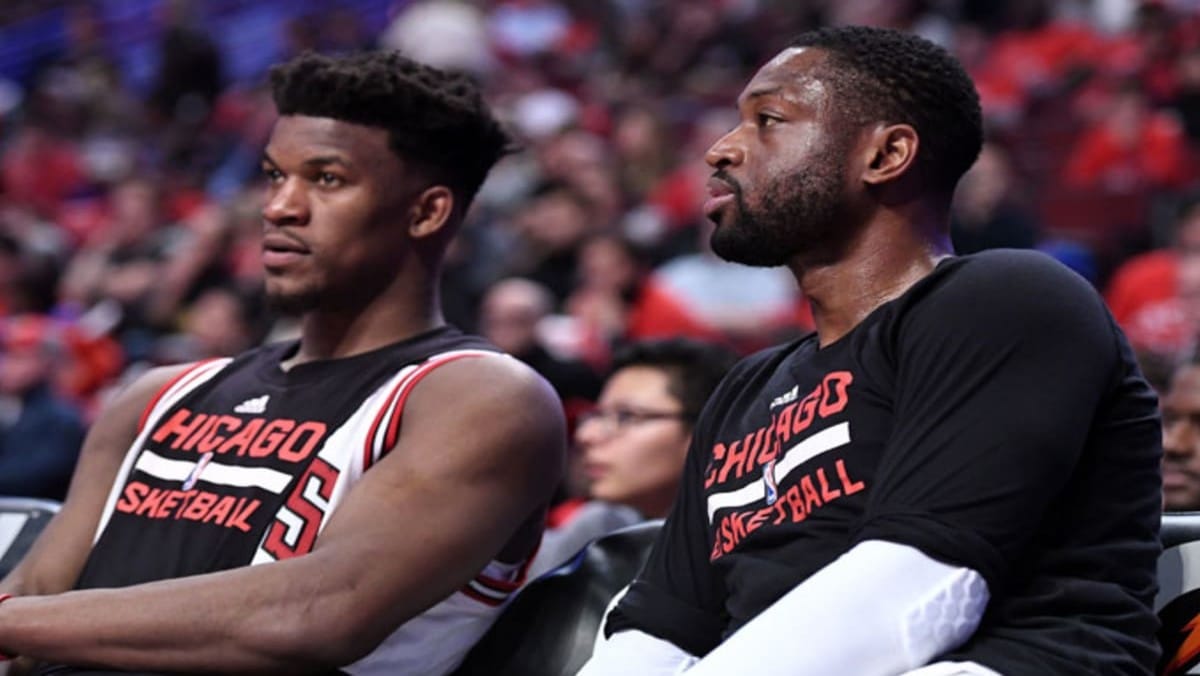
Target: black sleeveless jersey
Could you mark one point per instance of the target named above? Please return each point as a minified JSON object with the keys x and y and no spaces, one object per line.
{"x":239,"y":462}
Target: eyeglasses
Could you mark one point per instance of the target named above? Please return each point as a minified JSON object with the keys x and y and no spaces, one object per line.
{"x":621,"y":417}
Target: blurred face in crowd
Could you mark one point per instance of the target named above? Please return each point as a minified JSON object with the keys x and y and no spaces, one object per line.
{"x":334,"y":219}
{"x":1187,"y":234}
{"x":215,"y":321}
{"x":1181,"y":441}
{"x":553,"y":222}
{"x":780,"y":173}
{"x":510,"y":314}
{"x":22,"y":369}
{"x":135,"y":207}
{"x":984,"y":186}
{"x":606,"y":264}
{"x":635,"y":441}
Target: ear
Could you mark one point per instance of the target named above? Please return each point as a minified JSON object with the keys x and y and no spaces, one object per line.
{"x":891,"y":152}
{"x":431,"y":211}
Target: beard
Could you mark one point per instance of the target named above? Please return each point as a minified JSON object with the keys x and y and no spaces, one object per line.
{"x":291,"y":304}
{"x":797,"y":214}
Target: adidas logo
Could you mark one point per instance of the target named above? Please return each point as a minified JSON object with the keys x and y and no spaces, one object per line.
{"x":256,"y":405}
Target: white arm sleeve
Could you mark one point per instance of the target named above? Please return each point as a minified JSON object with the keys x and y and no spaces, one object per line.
{"x":635,"y":652}
{"x":880,"y":609}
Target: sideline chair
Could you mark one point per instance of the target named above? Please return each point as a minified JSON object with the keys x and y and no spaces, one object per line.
{"x":1178,"y":600}
{"x":21,"y":520}
{"x":549,"y":629}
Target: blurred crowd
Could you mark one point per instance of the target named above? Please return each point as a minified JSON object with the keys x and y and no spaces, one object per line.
{"x":129,"y":216}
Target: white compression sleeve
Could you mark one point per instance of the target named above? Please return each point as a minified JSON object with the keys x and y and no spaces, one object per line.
{"x":635,"y":652}
{"x":880,"y":609}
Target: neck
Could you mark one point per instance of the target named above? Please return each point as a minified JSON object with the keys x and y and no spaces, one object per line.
{"x":890,"y":254}
{"x":405,"y":309}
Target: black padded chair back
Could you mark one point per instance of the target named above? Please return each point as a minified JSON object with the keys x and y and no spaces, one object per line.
{"x":1178,"y":601}
{"x":21,"y":520}
{"x":550,"y":627}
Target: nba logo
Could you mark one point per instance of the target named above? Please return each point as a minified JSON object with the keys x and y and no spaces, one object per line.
{"x":195,"y":474}
{"x":769,"y":481}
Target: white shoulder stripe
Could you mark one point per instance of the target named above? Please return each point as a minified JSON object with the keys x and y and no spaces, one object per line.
{"x":214,"y":473}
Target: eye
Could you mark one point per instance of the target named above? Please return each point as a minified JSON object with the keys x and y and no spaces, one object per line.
{"x":765,"y":120}
{"x":623,"y":416}
{"x":272,"y":174}
{"x":328,"y":180}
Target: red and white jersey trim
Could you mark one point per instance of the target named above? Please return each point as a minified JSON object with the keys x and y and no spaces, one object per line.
{"x":385,"y":428}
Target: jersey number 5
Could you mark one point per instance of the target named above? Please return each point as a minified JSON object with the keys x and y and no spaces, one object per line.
{"x":295,"y":528}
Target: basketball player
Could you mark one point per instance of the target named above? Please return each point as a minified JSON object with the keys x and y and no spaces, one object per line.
{"x":958,"y":473}
{"x":362,"y":499}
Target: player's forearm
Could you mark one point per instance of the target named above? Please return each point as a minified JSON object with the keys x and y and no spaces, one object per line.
{"x":246,"y":622}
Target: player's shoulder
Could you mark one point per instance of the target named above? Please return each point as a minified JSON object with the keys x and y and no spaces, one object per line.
{"x":998,"y":297}
{"x":487,"y":377}
{"x":1021,"y":268}
{"x":1016,"y":279}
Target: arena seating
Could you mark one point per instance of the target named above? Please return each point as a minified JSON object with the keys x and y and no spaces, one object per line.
{"x":21,"y":519}
{"x":1178,"y":601}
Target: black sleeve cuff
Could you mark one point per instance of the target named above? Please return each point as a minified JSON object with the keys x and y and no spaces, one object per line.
{"x":941,"y":541}
{"x":649,"y":610}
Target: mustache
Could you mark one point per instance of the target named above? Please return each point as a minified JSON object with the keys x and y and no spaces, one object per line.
{"x":728,"y":180}
{"x":1180,"y":466}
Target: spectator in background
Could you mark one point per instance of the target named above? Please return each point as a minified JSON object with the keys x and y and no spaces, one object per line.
{"x":985,"y":214}
{"x":221,"y":322}
{"x":40,"y":431}
{"x":510,"y":316}
{"x":188,"y":82}
{"x":609,"y":282}
{"x":633,"y":443}
{"x":553,"y":222}
{"x":1148,"y":292}
{"x":1131,"y":148}
{"x":1181,"y":439}
{"x":702,"y":296}
{"x":1187,"y":98}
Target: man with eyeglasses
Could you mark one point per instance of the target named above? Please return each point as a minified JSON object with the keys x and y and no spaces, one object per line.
{"x":633,"y":443}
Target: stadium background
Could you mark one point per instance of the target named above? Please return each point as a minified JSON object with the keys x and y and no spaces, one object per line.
{"x":130,"y":134}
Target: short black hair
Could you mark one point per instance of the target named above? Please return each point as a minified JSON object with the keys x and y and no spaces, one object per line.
{"x":694,"y":367}
{"x":886,"y":75}
{"x":435,"y":119}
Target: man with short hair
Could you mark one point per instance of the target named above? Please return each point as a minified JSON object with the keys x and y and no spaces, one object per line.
{"x":1181,"y":438}
{"x":633,"y":442}
{"x":957,"y":473}
{"x":362,"y":499}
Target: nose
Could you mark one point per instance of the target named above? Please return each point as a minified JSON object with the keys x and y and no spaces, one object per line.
{"x":727,"y":151}
{"x":286,"y":203}
{"x":1179,"y":438}
{"x":589,"y":432}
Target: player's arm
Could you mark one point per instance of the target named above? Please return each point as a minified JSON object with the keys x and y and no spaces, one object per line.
{"x":480,"y":451}
{"x":54,"y":562}
{"x":996,"y":391}
{"x":875,"y":603}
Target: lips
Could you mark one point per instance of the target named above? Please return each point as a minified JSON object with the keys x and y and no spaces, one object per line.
{"x":594,"y":470}
{"x":720,"y":193}
{"x":278,"y":241}
{"x":280,"y":250}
